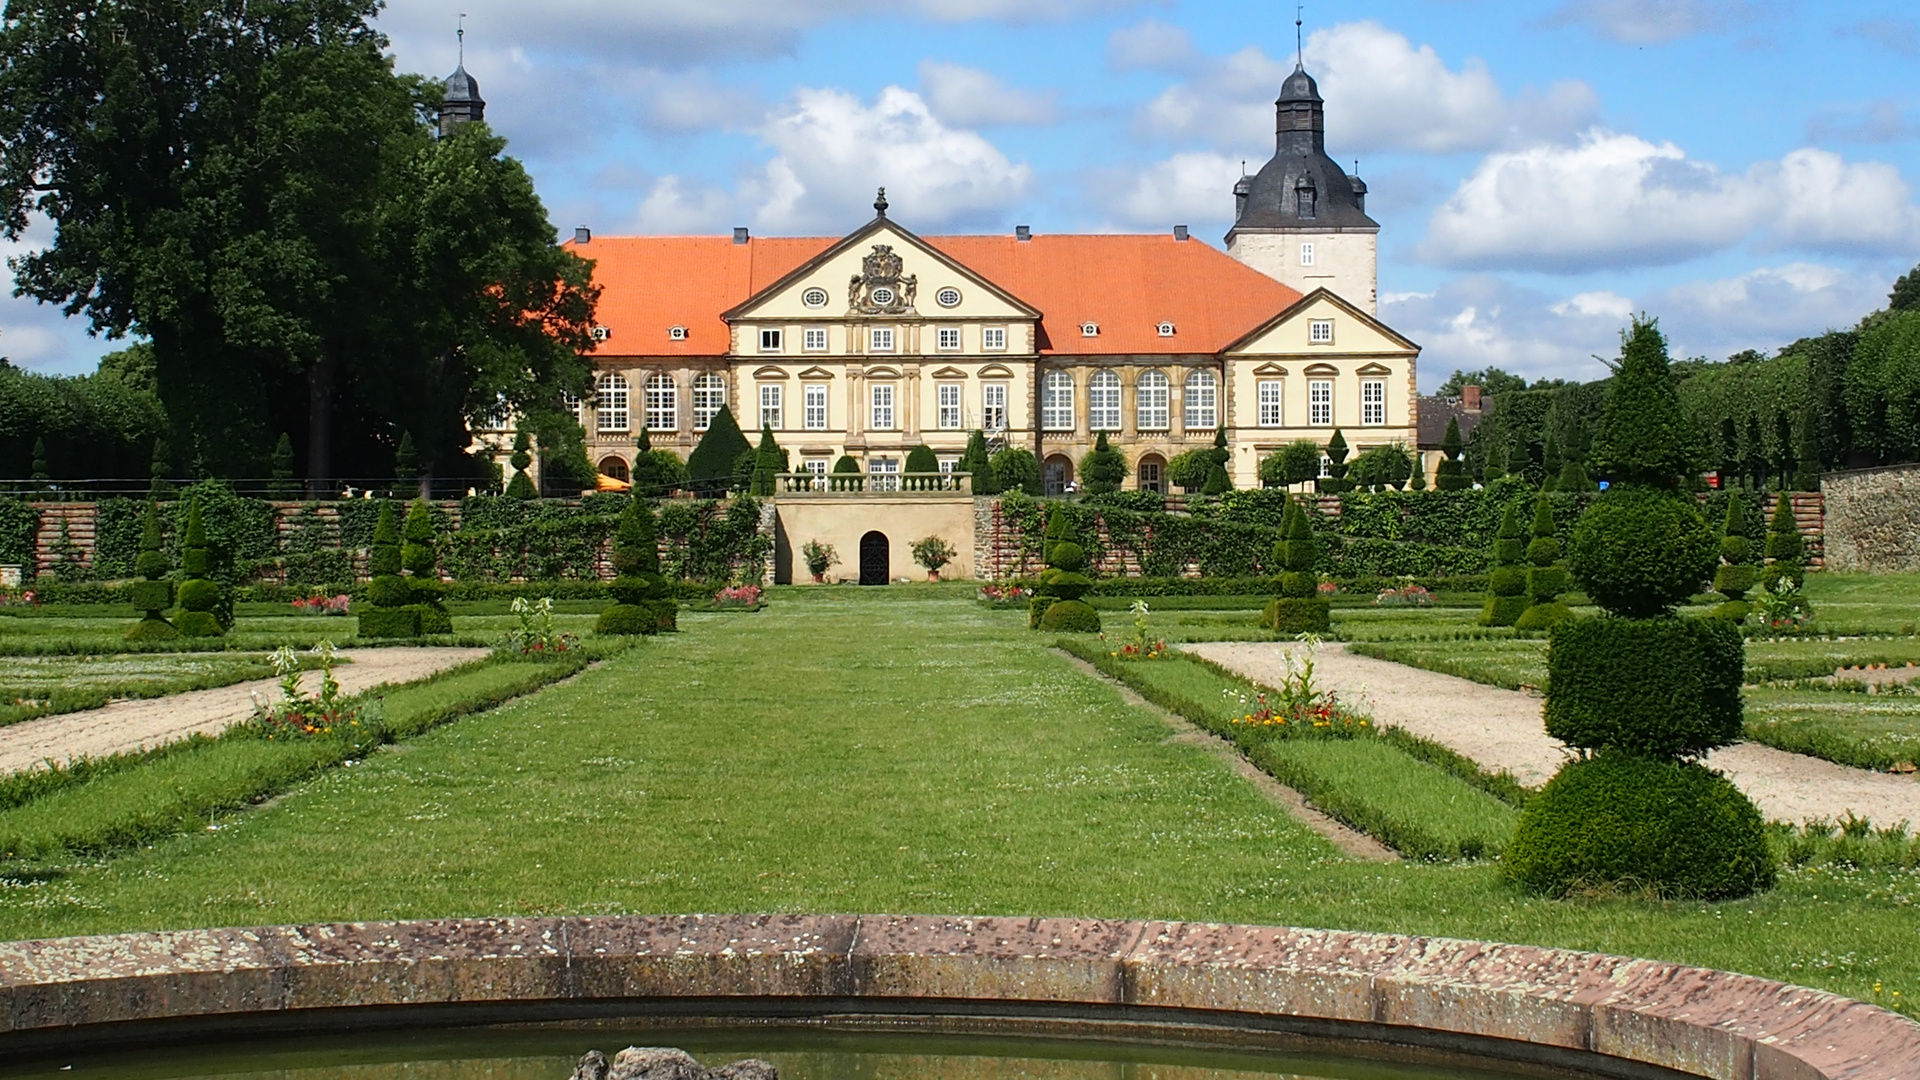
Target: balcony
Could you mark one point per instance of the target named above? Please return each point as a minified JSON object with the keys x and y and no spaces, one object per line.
{"x":877,"y":485}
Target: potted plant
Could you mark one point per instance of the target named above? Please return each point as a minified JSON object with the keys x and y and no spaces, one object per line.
{"x":933,"y":553}
{"x":818,"y":557}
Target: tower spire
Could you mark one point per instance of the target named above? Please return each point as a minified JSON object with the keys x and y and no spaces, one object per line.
{"x":1299,"y":39}
{"x":460,"y":36}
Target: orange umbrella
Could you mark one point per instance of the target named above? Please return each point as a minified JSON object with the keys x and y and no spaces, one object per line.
{"x":603,"y":482}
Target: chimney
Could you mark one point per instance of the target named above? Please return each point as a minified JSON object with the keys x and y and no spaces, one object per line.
{"x":739,"y":234}
{"x":1023,"y":233}
{"x":582,"y":235}
{"x":1179,"y":232}
{"x":1470,"y":398}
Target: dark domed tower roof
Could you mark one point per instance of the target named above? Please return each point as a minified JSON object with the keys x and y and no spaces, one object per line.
{"x":1301,"y":189}
{"x":462,"y":101}
{"x":462,"y":86}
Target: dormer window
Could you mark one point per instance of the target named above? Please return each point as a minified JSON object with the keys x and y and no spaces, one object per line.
{"x":1303,"y":197}
{"x":676,"y":333}
{"x":601,"y":333}
{"x":1166,"y":329}
{"x":814,"y":298}
{"x":1089,"y":329}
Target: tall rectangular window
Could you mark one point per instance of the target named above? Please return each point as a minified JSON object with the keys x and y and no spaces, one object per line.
{"x":949,"y":339}
{"x":1320,"y":401}
{"x":814,"y":339}
{"x":814,"y":403}
{"x":1320,"y":332}
{"x":948,"y":394}
{"x":771,"y":339}
{"x":1269,"y":397}
{"x":709,"y":397}
{"x":993,"y":406}
{"x":1151,"y":395}
{"x":994,"y":339}
{"x":883,"y":474}
{"x":770,"y":411}
{"x":1056,"y":402}
{"x":880,"y":339}
{"x":818,"y":467}
{"x":662,"y":399}
{"x":882,"y":418}
{"x":1306,"y":254}
{"x":1373,"y":401}
{"x":1202,"y":395}
{"x":1103,"y":401}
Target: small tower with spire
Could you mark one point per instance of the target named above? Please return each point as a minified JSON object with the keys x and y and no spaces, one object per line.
{"x":1301,"y":219}
{"x":462,"y":101}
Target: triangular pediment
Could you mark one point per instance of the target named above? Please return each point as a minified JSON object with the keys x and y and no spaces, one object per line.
{"x":1373,"y":369}
{"x":1355,"y":333}
{"x":949,"y":373}
{"x":1269,"y":369}
{"x":817,"y":372}
{"x":845,"y":281}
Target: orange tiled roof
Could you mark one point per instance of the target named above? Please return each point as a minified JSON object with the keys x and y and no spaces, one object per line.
{"x":1126,"y":284}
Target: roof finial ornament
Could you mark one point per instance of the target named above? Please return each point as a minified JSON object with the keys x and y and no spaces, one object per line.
{"x":460,"y":35}
{"x":880,"y":203}
{"x":1299,"y":41}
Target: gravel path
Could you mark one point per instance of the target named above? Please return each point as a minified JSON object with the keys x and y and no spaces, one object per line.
{"x":1501,"y":729}
{"x":149,"y":722}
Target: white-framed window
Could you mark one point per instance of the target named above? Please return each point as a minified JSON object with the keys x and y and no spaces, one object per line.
{"x":575,"y":405}
{"x":610,"y":404}
{"x":1319,"y":401}
{"x":947,"y":297}
{"x":1326,"y":467}
{"x":948,"y":338}
{"x":1202,"y":400}
{"x":1373,"y":401}
{"x":1149,"y":474}
{"x":813,"y":398}
{"x":1166,"y":329}
{"x":1267,"y":393}
{"x":1320,"y":331}
{"x":947,"y":396}
{"x":663,"y":403}
{"x":770,"y":402}
{"x":814,"y":339}
{"x":993,"y":406}
{"x":1089,"y":329}
{"x":881,"y":397}
{"x":1056,"y":402}
{"x":994,"y":339}
{"x":772,"y":339}
{"x":947,"y":465}
{"x":1151,"y":393}
{"x":883,"y":473}
{"x":880,"y":339}
{"x":676,"y":333}
{"x":709,"y":397}
{"x":818,"y":467}
{"x":1103,"y":401}
{"x":814,"y":298}
{"x":1306,"y":254}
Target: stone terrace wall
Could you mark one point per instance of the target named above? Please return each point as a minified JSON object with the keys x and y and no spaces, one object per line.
{"x":1873,"y":519}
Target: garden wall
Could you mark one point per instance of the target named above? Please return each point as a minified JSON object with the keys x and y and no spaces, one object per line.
{"x":1873,"y":519}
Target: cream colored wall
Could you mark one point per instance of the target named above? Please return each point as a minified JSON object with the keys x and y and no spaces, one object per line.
{"x":902,"y":518}
{"x":976,"y":301}
{"x":1346,"y":263}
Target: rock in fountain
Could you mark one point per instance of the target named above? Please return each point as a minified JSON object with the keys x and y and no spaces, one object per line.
{"x":666,"y":1063}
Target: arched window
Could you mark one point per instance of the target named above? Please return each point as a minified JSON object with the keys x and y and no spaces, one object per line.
{"x":663,"y":404}
{"x":1150,"y":402}
{"x":1056,"y":474}
{"x":1203,"y":400}
{"x":709,"y":397}
{"x":1056,"y":402}
{"x":614,"y":467}
{"x":610,"y":403}
{"x":1152,"y":474}
{"x":1103,"y":402}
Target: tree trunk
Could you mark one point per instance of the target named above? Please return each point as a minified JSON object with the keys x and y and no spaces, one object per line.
{"x":320,"y":429}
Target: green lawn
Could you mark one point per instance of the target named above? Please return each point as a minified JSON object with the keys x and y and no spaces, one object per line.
{"x":848,"y":751}
{"x":1867,"y":731}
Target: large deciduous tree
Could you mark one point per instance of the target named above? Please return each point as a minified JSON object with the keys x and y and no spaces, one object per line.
{"x":248,"y":185}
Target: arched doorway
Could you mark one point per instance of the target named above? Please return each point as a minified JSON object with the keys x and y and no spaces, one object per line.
{"x":1152,"y":473}
{"x":876,"y":559}
{"x":1056,"y":473}
{"x":614,"y":467}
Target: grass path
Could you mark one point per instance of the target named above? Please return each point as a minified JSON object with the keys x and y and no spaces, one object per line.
{"x":848,"y":752}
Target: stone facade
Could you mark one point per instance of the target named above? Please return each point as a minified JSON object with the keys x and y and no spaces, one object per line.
{"x":1873,"y":520}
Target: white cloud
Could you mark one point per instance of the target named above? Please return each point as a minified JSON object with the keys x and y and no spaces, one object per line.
{"x":1382,"y":93}
{"x":1767,"y":307}
{"x":1602,"y":303}
{"x":1193,"y":188}
{"x":1153,"y":45}
{"x":971,"y":97}
{"x":1653,"y":22}
{"x":1618,"y":200}
{"x":35,"y":335}
{"x":1881,"y":121}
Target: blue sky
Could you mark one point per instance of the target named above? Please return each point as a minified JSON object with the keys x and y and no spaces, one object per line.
{"x":1742,"y":169}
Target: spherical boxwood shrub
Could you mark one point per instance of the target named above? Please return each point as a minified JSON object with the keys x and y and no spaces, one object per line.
{"x":1037,"y":609}
{"x":1543,"y":616}
{"x":1638,"y":552}
{"x":389,"y":590}
{"x":1290,"y":615}
{"x":1619,"y":823}
{"x":153,"y":630}
{"x":1648,"y":686}
{"x":1065,"y":584}
{"x":627,"y":619}
{"x":1068,"y":556}
{"x":1507,"y":581}
{"x":1071,"y":617}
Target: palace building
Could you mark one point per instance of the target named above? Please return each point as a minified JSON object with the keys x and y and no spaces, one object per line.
{"x":878,"y":341}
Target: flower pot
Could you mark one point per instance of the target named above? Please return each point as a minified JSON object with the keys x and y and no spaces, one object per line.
{"x":933,"y":575}
{"x":819,"y":579}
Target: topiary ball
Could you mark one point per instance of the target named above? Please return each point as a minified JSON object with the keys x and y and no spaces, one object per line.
{"x":666,"y":614}
{"x":197,"y":624}
{"x":1067,"y":585}
{"x":1509,"y":551}
{"x":152,"y":630}
{"x":199,"y":594}
{"x":389,"y":591}
{"x":1638,"y":552}
{"x":1617,"y":823}
{"x":1067,"y":556}
{"x":1662,"y":687}
{"x":1543,"y":616}
{"x":1507,"y":581}
{"x":150,"y":565}
{"x":1071,"y":617}
{"x":1037,"y":609}
{"x":1736,"y":548}
{"x":1543,"y":551}
{"x":1546,"y":582}
{"x":1733,"y":580}
{"x":637,"y":588}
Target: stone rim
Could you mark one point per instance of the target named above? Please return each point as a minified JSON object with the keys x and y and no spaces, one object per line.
{"x":1611,"y":1015}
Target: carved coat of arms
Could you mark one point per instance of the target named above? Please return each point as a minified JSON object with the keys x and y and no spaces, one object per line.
{"x":880,"y":288}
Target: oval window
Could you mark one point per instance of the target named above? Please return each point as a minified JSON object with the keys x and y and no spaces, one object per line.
{"x":814,"y":298}
{"x":947,"y":297}
{"x":883,"y":296}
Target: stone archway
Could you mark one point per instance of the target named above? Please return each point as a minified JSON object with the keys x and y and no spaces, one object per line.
{"x":1055,"y":474}
{"x":1151,"y":473}
{"x":615,"y":467}
{"x":876,"y":559}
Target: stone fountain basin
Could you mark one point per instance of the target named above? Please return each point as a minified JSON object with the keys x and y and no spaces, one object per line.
{"x":1413,"y":997}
